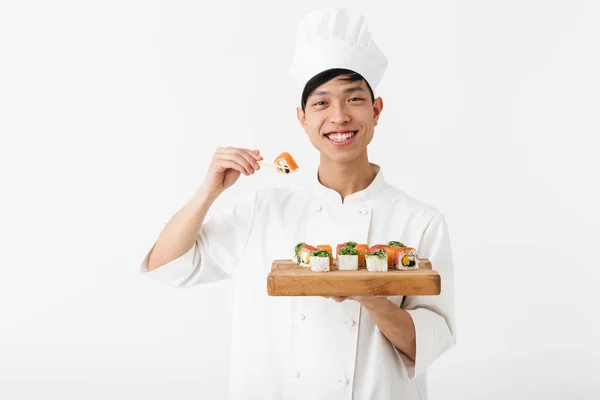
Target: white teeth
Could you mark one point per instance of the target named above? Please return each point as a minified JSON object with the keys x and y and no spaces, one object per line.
{"x":337,"y":137}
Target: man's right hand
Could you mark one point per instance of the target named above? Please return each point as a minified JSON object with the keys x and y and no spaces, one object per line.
{"x":226,"y":166}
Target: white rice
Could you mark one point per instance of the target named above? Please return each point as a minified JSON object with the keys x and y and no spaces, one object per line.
{"x":283,"y":167}
{"x":304,"y":256}
{"x":403,"y":268}
{"x":398,"y":261}
{"x":347,"y":262}
{"x":319,"y":264}
{"x":376,"y":264}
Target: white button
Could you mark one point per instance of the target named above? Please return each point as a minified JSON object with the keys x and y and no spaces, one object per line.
{"x":296,"y":374}
{"x":351,"y":322}
{"x":302,"y":317}
{"x":344,"y":381}
{"x":363,"y":211}
{"x":318,"y":207}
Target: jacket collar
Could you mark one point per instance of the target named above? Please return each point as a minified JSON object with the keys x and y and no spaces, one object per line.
{"x":325,"y":194}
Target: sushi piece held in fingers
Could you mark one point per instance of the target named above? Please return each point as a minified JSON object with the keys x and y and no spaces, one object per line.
{"x":319,"y":261}
{"x":296,"y":258}
{"x":327,"y":248}
{"x":347,"y":259}
{"x":406,"y":259}
{"x":340,"y":246}
{"x":377,"y":260}
{"x":285,"y":163}
{"x":362,"y":251}
{"x":305,"y":251}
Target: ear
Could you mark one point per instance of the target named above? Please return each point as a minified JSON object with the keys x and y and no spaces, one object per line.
{"x":301,"y":117}
{"x":377,"y":107}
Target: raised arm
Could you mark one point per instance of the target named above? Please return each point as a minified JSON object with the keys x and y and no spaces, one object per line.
{"x":180,"y":233}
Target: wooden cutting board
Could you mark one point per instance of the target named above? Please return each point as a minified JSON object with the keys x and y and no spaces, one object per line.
{"x":288,"y":278}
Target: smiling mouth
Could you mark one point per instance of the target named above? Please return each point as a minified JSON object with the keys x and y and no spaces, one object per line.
{"x":340,"y":137}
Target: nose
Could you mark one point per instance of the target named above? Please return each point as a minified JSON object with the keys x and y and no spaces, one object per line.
{"x":339,"y":113}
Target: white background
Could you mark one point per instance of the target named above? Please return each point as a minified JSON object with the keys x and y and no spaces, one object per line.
{"x":109,"y":112}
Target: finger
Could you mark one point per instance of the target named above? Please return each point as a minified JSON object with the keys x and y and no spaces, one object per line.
{"x":251,"y":158}
{"x":226,"y":164}
{"x":247,"y":155}
{"x":238,"y":158}
{"x":253,"y":153}
{"x":256,"y":154}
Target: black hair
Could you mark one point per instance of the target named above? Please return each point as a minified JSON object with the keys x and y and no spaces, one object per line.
{"x":328,"y":75}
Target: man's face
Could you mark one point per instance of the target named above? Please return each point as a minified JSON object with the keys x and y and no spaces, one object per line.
{"x":340,"y":119}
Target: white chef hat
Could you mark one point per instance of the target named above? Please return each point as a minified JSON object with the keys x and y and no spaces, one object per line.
{"x":335,"y":38}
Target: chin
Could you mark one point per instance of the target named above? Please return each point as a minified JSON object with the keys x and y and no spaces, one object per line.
{"x":342,"y":157}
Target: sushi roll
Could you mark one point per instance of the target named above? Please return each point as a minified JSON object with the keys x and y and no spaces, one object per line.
{"x":340,"y":246}
{"x":304,"y":253}
{"x":347,"y":259}
{"x":377,"y":259}
{"x":362,"y":251}
{"x":393,"y":247}
{"x":285,"y":163}
{"x":386,"y":248}
{"x":319,"y":261}
{"x":406,"y":259}
{"x":296,"y":258}
{"x":328,"y":249}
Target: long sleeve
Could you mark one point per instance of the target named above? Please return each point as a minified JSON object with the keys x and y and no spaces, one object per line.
{"x":219,"y":247}
{"x":433,"y":316}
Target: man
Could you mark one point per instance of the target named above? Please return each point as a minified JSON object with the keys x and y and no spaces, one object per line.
{"x":316,"y":347}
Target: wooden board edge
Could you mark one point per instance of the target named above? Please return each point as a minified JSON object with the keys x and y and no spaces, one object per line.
{"x":274,"y":290}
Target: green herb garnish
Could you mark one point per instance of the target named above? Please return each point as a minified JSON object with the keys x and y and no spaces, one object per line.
{"x":348,"y":251}
{"x":297,"y":250}
{"x":351,"y":244}
{"x":320,"y":253}
{"x":396,"y":244}
{"x":381,"y":254}
{"x":298,"y":246}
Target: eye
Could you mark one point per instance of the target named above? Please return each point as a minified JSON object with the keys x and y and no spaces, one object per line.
{"x":356,"y":99}
{"x":318,"y":103}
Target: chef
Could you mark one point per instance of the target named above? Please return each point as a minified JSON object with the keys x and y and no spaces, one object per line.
{"x":313,"y":348}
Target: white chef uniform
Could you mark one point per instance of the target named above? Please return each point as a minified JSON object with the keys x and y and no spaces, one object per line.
{"x":313,"y":347}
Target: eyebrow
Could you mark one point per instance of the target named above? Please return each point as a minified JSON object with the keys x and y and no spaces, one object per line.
{"x":349,"y":90}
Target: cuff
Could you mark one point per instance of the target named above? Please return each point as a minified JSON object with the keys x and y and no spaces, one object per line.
{"x":425,"y":340}
{"x":175,"y":272}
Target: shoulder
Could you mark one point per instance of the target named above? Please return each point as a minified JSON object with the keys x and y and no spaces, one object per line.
{"x":407,"y":203}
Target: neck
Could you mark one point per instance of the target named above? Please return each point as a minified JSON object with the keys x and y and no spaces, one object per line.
{"x":347,"y":177}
